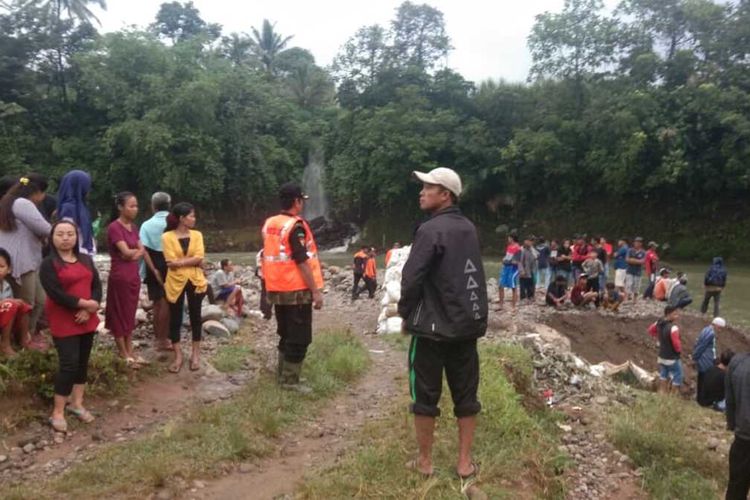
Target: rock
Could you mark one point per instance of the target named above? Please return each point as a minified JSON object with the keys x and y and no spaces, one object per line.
{"x":199,"y":484}
{"x":216,"y":329}
{"x":246,"y":468}
{"x":601,"y":400}
{"x":232,"y":325}
{"x":3,"y":458}
{"x":141,"y":316}
{"x":212,"y":312}
{"x":29,"y":448}
{"x":502,"y":229}
{"x":713,"y":444}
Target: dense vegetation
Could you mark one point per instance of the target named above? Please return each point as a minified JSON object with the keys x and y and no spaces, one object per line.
{"x":648,"y":105}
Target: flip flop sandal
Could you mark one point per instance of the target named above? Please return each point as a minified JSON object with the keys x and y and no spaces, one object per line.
{"x":142,"y":361}
{"x":469,"y":480}
{"x":412,"y":466}
{"x":82,"y":414}
{"x":132,"y":363}
{"x":176,"y":368}
{"x":58,"y":424}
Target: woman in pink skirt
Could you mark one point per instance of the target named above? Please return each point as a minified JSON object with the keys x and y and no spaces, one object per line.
{"x":124,"y":284}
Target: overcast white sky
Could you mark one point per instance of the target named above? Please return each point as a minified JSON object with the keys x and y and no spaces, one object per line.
{"x":488,"y":36}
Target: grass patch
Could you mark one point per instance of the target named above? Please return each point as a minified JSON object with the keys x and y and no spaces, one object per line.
{"x":231,"y":358}
{"x":517,"y":449}
{"x":659,"y":434}
{"x":207,"y":438}
{"x":398,"y":341}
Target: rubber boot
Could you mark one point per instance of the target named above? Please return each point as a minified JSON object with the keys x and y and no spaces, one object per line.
{"x":279,"y":367}
{"x":290,"y":378}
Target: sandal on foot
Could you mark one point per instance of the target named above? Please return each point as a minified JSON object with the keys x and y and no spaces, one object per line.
{"x":470,"y":479}
{"x":412,"y":465}
{"x":132,"y":363}
{"x":175,"y":368}
{"x":58,"y":424}
{"x":142,"y":361}
{"x":81,"y":414}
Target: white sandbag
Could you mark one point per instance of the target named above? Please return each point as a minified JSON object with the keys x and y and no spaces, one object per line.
{"x":391,"y":310}
{"x":393,"y":325}
{"x":393,"y":290}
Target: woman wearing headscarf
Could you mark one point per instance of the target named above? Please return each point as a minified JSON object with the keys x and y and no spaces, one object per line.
{"x":71,"y":205}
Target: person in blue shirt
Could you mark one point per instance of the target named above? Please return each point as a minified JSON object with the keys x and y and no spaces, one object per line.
{"x":621,"y":265}
{"x":704,"y":352}
{"x":150,"y":235}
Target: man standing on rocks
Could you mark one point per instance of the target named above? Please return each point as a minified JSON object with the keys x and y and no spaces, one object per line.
{"x":444,"y":306}
{"x":738,"y":420}
{"x":294,"y":282}
{"x":150,"y":235}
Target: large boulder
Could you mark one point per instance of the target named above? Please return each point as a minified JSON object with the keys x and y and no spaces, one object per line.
{"x":212,"y":312}
{"x":231,"y":324}
{"x":215,"y":329}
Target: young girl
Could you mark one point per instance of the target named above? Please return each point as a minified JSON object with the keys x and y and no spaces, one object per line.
{"x":14,"y":313}
{"x":184,"y":251}
{"x":74,"y":292}
{"x":124,"y":284}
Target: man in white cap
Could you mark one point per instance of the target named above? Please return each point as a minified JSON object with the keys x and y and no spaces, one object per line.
{"x":704,"y":352}
{"x":444,"y":306}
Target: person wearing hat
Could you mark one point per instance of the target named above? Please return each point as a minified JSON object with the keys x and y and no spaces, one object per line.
{"x":445,"y":308}
{"x":704,"y":351}
{"x":634,"y":272}
{"x":294,"y":282}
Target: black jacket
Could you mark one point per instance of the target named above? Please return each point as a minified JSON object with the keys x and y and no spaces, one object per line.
{"x":737,"y":392}
{"x":443,"y":289}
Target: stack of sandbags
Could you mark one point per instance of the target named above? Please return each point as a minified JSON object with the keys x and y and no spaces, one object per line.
{"x":389,"y":321}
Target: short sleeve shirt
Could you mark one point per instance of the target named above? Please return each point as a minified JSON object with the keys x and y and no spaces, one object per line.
{"x":636,"y":269}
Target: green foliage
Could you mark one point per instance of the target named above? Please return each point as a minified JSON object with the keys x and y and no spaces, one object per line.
{"x":34,"y":371}
{"x":230,"y":358}
{"x":676,"y":464}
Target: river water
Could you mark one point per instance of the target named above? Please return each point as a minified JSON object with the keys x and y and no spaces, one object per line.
{"x":734,"y":299}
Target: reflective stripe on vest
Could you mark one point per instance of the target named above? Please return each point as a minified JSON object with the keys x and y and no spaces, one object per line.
{"x":279,"y":268}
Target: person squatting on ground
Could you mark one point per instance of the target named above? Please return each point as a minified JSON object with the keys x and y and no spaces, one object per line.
{"x":580,"y":295}
{"x":713,"y":388}
{"x":358,"y":268}
{"x":22,"y":232}
{"x":14,"y":313}
{"x":737,"y":392}
{"x":150,"y":234}
{"x":294,"y":280}
{"x":704,"y":352}
{"x":509,"y":273}
{"x":444,"y":306}
{"x":611,"y":298}
{"x":670,"y":349}
{"x":184,"y":253}
{"x":74,"y":293}
{"x":227,"y":288}
{"x":713,"y":284}
{"x":124,"y":283}
{"x":557,"y":292}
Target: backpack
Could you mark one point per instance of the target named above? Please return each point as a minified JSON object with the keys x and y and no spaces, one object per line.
{"x":715,"y":276}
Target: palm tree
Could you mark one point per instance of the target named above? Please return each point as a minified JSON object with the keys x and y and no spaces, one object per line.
{"x":268,"y":44}
{"x":76,"y":9}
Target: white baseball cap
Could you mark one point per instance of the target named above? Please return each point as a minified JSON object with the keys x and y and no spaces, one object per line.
{"x":720,"y":322}
{"x":441,"y":176}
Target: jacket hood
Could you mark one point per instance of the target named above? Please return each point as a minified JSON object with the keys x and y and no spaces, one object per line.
{"x":718,"y":261}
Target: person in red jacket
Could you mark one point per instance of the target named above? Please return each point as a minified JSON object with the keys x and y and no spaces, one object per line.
{"x":74,"y":292}
{"x":670,"y":349}
{"x":652,"y":261}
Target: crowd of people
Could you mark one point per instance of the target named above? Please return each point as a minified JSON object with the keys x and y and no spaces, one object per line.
{"x":48,"y":280}
{"x":575,"y":272}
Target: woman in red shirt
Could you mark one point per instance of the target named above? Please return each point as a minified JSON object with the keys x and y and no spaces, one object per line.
{"x":74,"y":292}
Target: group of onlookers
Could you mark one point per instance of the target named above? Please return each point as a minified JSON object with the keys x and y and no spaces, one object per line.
{"x":47,"y":273}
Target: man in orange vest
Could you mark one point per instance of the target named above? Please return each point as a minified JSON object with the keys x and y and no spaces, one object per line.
{"x":388,"y":254}
{"x":294,"y":282}
{"x":360,"y":261}
{"x":371,"y":274}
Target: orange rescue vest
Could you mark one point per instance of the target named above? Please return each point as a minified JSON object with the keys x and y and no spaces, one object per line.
{"x":370,"y":269}
{"x":279,"y":269}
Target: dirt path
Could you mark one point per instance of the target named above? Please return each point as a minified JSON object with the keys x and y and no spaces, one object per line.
{"x":319,"y":441}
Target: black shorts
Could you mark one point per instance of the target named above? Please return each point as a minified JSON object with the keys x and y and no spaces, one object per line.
{"x":155,"y":290}
{"x":427,"y":359}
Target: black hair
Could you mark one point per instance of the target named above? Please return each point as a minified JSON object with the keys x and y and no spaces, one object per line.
{"x":52,"y":250}
{"x":120,"y":199}
{"x":287,"y":202}
{"x":669,"y":310}
{"x":39,"y":179}
{"x":610,"y":285}
{"x":561,"y":279}
{"x":514,"y":237}
{"x":223,"y":263}
{"x":179,"y":210}
{"x":5,"y":255}
{"x":726,"y":357}
{"x":23,"y":188}
{"x":7,"y":182}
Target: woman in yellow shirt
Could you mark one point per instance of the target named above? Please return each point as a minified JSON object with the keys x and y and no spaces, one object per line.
{"x":184,"y":252}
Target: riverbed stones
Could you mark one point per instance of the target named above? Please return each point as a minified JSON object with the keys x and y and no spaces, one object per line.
{"x":211,"y":312}
{"x":231,"y":324}
{"x":216,"y":329}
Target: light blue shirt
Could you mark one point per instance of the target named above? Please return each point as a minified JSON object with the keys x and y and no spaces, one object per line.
{"x":150,"y":235}
{"x":6,"y":292}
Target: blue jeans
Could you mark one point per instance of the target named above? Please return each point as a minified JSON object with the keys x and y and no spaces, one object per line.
{"x":673,"y":371}
{"x":544,"y":277}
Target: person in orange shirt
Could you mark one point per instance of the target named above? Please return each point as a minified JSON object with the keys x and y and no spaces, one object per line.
{"x":371,"y":274}
{"x":358,"y":267}
{"x":662,"y":285}
{"x":388,"y":254}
